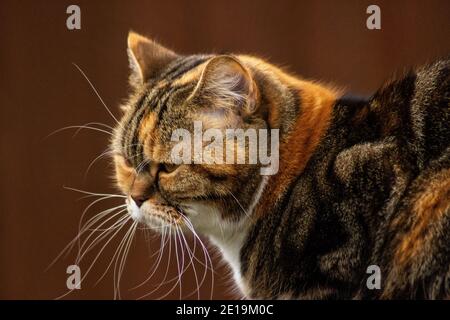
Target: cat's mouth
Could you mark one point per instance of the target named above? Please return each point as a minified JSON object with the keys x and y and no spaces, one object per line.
{"x":155,"y":214}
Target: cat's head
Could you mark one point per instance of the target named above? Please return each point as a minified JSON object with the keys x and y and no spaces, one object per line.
{"x":173,"y":94}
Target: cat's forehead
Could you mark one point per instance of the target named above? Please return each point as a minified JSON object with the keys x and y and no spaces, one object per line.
{"x":171,"y":87}
{"x":182,"y":66}
{"x":159,"y":107}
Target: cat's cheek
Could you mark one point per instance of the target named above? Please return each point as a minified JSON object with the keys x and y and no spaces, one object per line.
{"x":180,"y":186}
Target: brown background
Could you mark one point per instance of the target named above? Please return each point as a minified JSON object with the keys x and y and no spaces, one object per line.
{"x":41,"y":91}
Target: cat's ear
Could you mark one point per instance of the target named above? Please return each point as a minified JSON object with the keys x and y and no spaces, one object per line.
{"x":146,"y":57}
{"x":226,"y":82}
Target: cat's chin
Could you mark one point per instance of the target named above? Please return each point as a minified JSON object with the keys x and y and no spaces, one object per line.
{"x":157,"y":216}
{"x":187,"y":215}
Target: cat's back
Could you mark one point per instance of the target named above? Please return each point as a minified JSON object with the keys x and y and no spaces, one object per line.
{"x":414,"y":243}
{"x":416,"y":110}
{"x":388,"y":163}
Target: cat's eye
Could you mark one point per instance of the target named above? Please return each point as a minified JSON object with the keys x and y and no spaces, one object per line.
{"x":122,"y":159}
{"x":169,"y":167}
{"x":127,"y":162}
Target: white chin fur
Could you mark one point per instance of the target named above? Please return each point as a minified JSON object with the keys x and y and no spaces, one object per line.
{"x":139,"y":215}
{"x":133,"y":209}
{"x":229,"y":237}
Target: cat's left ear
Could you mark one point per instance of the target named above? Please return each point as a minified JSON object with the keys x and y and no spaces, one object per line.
{"x":226,"y":83}
{"x":147,"y":58}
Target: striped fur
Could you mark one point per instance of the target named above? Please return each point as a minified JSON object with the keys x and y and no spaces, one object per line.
{"x":361,"y":181}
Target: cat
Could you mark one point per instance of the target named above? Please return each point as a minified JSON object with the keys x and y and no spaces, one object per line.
{"x":361,"y":182}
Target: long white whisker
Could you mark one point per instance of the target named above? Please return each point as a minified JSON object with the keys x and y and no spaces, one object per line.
{"x":100,"y":237}
{"x":118,"y":265}
{"x":167,"y":268}
{"x":70,"y":245}
{"x":103,"y":154}
{"x":125,"y":254}
{"x":95,"y":218}
{"x":92,"y":221}
{"x":160,"y":253}
{"x":178,"y":271}
{"x":177,"y":237}
{"x":123,"y":222}
{"x":142,"y":165}
{"x":78,"y":127}
{"x":240,"y":205}
{"x":205,"y":251}
{"x":206,"y":256}
{"x":113,"y":259}
{"x":94,"y":194}
{"x":96,"y":92}
{"x":191,"y":254}
{"x":97,"y":256}
{"x":95,"y":123}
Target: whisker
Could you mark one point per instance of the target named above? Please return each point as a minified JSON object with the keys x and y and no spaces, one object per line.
{"x":70,"y":245}
{"x":99,"y":237}
{"x":100,"y":214}
{"x":113,"y":259}
{"x":191,"y":254}
{"x":97,"y":256}
{"x":160,"y":253}
{"x":142,"y":165}
{"x":240,"y":205}
{"x":91,"y":221}
{"x":167,"y":269}
{"x":179,"y":272}
{"x":125,"y":254}
{"x":207,"y":261}
{"x":78,"y":127}
{"x":95,"y":123}
{"x":177,"y":237}
{"x":103,"y":154}
{"x":180,"y":268}
{"x":118,"y":266}
{"x":205,"y":251}
{"x":122,"y":223}
{"x":93,"y":193}
{"x":96,"y":92}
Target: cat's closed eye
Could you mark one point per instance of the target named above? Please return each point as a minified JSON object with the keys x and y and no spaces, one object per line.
{"x":120,"y":158}
{"x":127,"y":162}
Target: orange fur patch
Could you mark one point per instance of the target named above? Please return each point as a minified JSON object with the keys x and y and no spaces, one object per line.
{"x":428,"y":207}
{"x":147,"y":134}
{"x":147,"y":127}
{"x":295,"y":150}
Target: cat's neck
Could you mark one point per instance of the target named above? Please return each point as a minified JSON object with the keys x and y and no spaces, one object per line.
{"x":302,"y":111}
{"x":228,"y":236}
{"x":230,"y":240}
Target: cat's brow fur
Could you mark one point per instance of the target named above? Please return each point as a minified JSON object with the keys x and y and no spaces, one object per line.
{"x":361,"y":181}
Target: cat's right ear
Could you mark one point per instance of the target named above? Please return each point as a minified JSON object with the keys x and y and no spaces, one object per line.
{"x":147,"y":58}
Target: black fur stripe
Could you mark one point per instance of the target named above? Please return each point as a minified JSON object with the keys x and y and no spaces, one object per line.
{"x":157,"y":100}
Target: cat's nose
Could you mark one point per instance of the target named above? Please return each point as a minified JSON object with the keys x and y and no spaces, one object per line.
{"x":138,"y":200}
